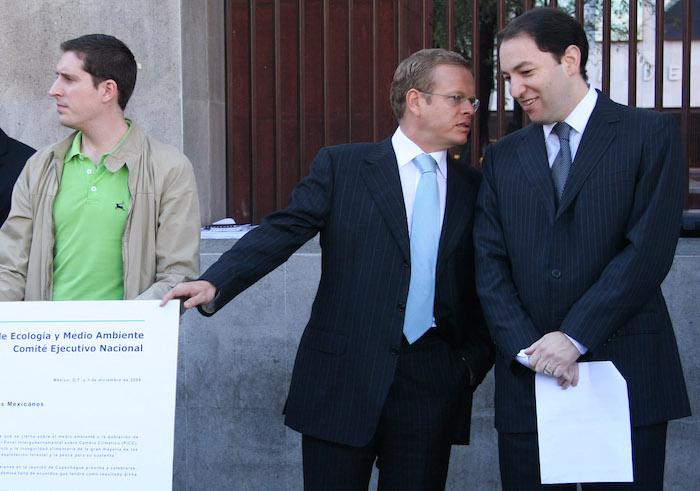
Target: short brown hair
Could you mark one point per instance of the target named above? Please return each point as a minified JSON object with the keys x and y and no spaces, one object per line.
{"x":106,"y":58}
{"x":416,"y":72}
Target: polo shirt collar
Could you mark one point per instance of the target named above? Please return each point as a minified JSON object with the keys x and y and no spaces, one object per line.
{"x":112,"y":165}
{"x":74,"y":149}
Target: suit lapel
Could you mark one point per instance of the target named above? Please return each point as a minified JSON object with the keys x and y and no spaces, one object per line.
{"x":456,"y":218}
{"x":381,"y":174}
{"x":599,"y":133}
{"x":533,"y":159}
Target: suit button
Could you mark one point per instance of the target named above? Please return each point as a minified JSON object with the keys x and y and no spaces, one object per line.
{"x":405,"y":264}
{"x":394,"y":350}
{"x":401,"y":307}
{"x":556,"y":273}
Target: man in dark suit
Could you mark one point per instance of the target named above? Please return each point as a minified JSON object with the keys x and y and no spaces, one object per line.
{"x":576,"y":226}
{"x":396,"y":342}
{"x":13,"y":156}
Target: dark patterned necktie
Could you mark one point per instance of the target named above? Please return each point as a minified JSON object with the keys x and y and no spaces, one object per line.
{"x":562,"y":163}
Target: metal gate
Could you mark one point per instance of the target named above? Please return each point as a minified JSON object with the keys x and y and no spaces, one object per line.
{"x":306,"y":74}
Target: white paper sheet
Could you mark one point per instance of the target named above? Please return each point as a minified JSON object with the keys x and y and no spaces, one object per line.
{"x":584,"y":432}
{"x":87,"y":395}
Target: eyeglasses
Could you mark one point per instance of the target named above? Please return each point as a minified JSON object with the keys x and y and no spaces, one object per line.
{"x":458,"y":99}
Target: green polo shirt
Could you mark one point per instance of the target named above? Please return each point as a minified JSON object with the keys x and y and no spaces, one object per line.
{"x":89,"y":214}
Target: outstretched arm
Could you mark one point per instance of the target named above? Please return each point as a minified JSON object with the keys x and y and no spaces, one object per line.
{"x":267,"y":246}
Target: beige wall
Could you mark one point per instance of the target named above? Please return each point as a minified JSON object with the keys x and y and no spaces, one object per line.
{"x":155,"y":30}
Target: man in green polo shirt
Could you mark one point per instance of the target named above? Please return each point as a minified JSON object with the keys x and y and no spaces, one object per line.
{"x":108,"y":213}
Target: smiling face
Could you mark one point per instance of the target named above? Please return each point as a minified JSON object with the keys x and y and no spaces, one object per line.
{"x":78,"y":101}
{"x":442,"y":123}
{"x":547,"y":89}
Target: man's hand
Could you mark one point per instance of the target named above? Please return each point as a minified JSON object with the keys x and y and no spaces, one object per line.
{"x":570,"y":376}
{"x":552,"y":355}
{"x":196,"y":292}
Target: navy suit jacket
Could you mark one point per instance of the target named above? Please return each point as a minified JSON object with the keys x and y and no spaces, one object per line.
{"x":592,"y":267}
{"x":348,"y":352}
{"x":13,"y":156}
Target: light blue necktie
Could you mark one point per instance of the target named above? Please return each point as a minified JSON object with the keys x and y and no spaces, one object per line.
{"x":562,"y":162}
{"x":425,"y":237}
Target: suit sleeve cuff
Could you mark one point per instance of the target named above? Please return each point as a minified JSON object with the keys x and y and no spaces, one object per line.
{"x":210,"y":308}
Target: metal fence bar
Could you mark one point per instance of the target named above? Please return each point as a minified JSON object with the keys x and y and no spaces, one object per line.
{"x":302,"y":86}
{"x":659,"y":57}
{"x":632,"y":56}
{"x":326,"y":55}
{"x":350,"y":68}
{"x":607,"y":28}
{"x":278,"y":100}
{"x":476,"y":70}
{"x":450,"y":24}
{"x":685,"y":108}
{"x":500,"y":83}
{"x":427,"y":30}
{"x":253,"y":114}
{"x":527,"y":5}
{"x":375,"y":129}
{"x":578,"y":10}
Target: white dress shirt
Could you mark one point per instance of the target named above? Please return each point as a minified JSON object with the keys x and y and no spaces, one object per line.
{"x":406,"y":151}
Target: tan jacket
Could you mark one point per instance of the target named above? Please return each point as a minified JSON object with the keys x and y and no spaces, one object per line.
{"x":160,"y":246}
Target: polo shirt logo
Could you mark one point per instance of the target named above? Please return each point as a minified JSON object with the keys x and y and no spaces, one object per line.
{"x":120,"y":206}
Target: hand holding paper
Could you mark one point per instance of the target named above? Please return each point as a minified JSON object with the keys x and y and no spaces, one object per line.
{"x":569,"y":377}
{"x":552,"y":354}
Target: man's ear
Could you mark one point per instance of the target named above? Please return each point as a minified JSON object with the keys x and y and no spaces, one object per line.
{"x":413,"y":98}
{"x":109,"y":90}
{"x":571,"y":59}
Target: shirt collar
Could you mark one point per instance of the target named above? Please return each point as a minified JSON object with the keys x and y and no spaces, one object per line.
{"x":406,"y":150}
{"x":578,"y":118}
{"x":74,"y":149}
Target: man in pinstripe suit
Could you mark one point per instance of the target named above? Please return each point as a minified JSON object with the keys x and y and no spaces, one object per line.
{"x":360,"y":391}
{"x":569,"y":267}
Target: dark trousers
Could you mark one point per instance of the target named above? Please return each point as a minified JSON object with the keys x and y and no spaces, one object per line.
{"x":413,"y":439}
{"x":520,"y":465}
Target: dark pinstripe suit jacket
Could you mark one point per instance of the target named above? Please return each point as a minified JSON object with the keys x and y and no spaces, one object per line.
{"x":591,"y":268}
{"x":348,"y":352}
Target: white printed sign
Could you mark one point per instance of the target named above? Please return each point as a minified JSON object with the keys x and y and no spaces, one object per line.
{"x":87,"y":395}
